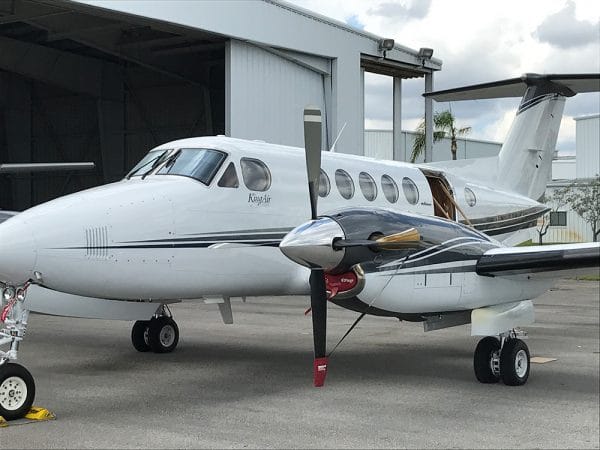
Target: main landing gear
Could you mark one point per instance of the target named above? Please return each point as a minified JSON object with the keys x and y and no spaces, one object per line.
{"x":17,"y":388}
{"x":505,"y":359}
{"x":159,"y":334}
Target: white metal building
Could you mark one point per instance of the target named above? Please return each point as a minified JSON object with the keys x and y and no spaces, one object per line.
{"x":105,"y":80}
{"x":566,"y":225}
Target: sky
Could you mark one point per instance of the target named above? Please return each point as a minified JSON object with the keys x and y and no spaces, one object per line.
{"x":478,"y":41}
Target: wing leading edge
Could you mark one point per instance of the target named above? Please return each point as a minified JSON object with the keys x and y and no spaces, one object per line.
{"x":547,"y":258}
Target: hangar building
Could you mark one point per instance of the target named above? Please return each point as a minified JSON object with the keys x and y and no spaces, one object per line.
{"x":104,"y":81}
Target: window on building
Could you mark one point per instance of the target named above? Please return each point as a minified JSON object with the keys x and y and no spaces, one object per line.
{"x":411,"y":192}
{"x":256,"y":174}
{"x":558,"y":219}
{"x":198,"y":163}
{"x":367,"y":186}
{"x":229,"y":179}
{"x":324,"y":184}
{"x":390,"y":188}
{"x":344,"y":183}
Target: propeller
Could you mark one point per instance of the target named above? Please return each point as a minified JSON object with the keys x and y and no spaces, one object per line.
{"x":397,"y":241}
{"x":318,"y":293}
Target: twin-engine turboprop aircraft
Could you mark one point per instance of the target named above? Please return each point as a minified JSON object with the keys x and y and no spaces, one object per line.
{"x":204,"y":217}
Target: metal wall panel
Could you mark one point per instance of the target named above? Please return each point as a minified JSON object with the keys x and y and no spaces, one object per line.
{"x":267,"y":95}
{"x":378,"y":144}
{"x":588,"y":146}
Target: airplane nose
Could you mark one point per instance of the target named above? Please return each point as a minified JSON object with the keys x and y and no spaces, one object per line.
{"x":311,"y":244}
{"x":17,"y":252}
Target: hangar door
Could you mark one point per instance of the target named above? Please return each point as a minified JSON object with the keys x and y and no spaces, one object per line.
{"x":267,"y":90}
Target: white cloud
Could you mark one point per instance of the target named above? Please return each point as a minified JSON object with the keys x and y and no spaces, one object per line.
{"x":479,"y":41}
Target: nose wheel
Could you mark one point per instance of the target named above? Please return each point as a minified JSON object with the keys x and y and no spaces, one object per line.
{"x":17,"y":391}
{"x":159,"y":335}
{"x":505,"y":359}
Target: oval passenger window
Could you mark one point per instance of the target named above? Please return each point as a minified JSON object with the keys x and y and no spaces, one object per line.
{"x":411,"y":192}
{"x":256,"y":174}
{"x":470,"y":197}
{"x":367,"y":186}
{"x":324,"y":184}
{"x":390,"y":188}
{"x":344,"y":183}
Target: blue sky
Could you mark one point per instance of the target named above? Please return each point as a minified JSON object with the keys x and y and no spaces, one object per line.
{"x":479,"y":41}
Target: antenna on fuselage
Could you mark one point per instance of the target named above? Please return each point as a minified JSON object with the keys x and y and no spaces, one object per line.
{"x":332,"y":149}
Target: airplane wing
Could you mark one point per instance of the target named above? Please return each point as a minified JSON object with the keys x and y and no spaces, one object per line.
{"x":543,"y":258}
{"x":516,"y":87}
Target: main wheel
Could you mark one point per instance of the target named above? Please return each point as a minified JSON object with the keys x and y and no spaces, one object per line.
{"x":163,"y":335}
{"x":486,"y":350}
{"x":17,"y":391}
{"x":514,"y":362}
{"x":139,"y":335}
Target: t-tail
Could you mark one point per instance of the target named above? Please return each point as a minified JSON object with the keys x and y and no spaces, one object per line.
{"x":524,"y":163}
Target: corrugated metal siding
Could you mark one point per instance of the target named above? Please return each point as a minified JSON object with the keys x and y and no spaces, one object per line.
{"x":379,"y":144}
{"x":588,"y":146}
{"x":268,"y":94}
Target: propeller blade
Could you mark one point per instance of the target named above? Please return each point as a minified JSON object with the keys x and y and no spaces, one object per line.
{"x":312,"y":147}
{"x":318,"y":304}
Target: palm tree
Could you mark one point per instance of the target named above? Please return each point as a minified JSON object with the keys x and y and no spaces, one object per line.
{"x":444,"y":127}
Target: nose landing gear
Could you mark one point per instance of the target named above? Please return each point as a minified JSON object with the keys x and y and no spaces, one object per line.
{"x":159,"y":334}
{"x":506,"y":359}
{"x":17,"y":388}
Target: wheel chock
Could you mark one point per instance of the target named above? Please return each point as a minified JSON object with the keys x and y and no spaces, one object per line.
{"x":35,"y":414}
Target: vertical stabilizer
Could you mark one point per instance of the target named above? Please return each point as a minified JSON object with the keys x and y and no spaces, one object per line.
{"x":524,"y":164}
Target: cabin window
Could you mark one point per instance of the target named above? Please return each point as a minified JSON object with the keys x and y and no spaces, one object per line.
{"x":367,"y":186}
{"x":148,"y":163}
{"x":411,"y":192}
{"x":390,"y":188}
{"x":324,"y":184}
{"x":344,"y":183}
{"x":256,"y":174}
{"x":558,"y":219}
{"x":198,"y":163}
{"x":229,"y":179}
{"x":470,"y":197}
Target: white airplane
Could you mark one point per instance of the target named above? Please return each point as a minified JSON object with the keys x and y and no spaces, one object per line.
{"x":214,"y":218}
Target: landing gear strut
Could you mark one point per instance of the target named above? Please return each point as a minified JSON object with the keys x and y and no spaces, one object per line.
{"x":159,"y":334}
{"x":17,"y":388}
{"x":505,"y":359}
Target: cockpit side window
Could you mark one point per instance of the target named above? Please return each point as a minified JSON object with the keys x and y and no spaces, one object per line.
{"x":148,"y":162}
{"x":198,"y":163}
{"x":229,"y":179}
{"x":256,"y":174}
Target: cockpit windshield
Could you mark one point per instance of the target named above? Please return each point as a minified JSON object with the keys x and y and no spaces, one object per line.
{"x":198,"y":163}
{"x":148,"y":162}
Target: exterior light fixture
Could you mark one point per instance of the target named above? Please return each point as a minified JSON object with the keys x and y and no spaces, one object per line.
{"x":425,"y":53}
{"x":386,"y":44}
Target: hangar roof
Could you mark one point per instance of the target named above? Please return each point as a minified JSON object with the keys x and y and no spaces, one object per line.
{"x":151,"y":32}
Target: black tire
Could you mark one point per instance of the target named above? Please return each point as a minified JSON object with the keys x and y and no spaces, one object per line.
{"x":163,"y":335}
{"x":139,"y":336}
{"x":482,"y":360}
{"x":17,"y":391}
{"x":514,"y":362}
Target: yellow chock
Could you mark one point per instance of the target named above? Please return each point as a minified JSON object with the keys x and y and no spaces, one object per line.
{"x":3,"y":422}
{"x":37,"y":413}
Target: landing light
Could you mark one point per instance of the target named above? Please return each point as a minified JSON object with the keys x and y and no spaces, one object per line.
{"x":8,"y":293}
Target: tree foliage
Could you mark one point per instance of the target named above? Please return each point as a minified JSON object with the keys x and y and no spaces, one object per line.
{"x":444,"y":126}
{"x":583,"y":197}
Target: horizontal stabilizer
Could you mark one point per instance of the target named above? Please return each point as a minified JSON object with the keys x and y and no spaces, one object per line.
{"x":567,"y":85}
{"x":45,"y":167}
{"x":543,"y":258}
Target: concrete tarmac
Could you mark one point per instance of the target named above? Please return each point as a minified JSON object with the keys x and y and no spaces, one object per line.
{"x":248,"y":385}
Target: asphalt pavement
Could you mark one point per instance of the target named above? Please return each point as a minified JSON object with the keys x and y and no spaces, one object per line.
{"x":249,"y":385}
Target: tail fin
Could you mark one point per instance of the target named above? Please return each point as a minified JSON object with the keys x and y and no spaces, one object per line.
{"x":525,"y":160}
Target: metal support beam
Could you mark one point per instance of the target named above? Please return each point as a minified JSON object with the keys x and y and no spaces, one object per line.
{"x":111,"y":126}
{"x":428,"y":119}
{"x":397,"y":120}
